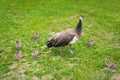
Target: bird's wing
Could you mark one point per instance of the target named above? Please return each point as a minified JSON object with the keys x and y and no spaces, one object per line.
{"x":51,"y":42}
{"x":64,"y":38}
{"x":60,"y":41}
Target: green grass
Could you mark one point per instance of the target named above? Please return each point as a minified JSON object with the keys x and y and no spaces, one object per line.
{"x":19,"y":19}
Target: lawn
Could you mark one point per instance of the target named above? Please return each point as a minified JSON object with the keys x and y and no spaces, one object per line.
{"x":19,"y":19}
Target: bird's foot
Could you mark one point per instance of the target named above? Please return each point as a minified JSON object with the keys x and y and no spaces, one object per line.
{"x":71,"y":51}
{"x":60,"y":51}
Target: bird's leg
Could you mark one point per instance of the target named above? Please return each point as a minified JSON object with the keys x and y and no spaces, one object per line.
{"x":60,"y":50}
{"x":71,"y":49}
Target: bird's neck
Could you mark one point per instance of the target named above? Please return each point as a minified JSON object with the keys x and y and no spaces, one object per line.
{"x":79,"y":27}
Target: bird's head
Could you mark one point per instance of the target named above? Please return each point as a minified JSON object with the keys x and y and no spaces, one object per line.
{"x":82,"y":17}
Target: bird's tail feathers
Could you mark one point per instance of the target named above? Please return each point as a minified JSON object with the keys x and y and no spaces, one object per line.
{"x":49,"y":43}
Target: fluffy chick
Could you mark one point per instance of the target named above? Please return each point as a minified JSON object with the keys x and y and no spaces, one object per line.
{"x":35,"y":53}
{"x":111,"y":65}
{"x":18,"y":54}
{"x":90,"y":42}
{"x":17,"y":43}
{"x":34,"y":36}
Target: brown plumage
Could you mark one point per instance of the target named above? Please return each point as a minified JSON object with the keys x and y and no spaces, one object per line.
{"x":90,"y":42}
{"x":18,"y":54}
{"x":66,"y":37}
{"x":35,"y":53}
{"x":17,"y":43}
{"x":34,"y":36}
{"x":111,"y":65}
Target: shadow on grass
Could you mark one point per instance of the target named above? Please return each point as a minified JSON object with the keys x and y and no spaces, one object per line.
{"x":65,"y":52}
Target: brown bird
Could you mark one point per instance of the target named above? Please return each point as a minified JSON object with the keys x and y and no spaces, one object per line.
{"x":111,"y":65}
{"x":90,"y":42}
{"x":18,"y":54}
{"x":34,"y":36}
{"x":67,"y":37}
{"x":17,"y":43}
{"x":35,"y":53}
